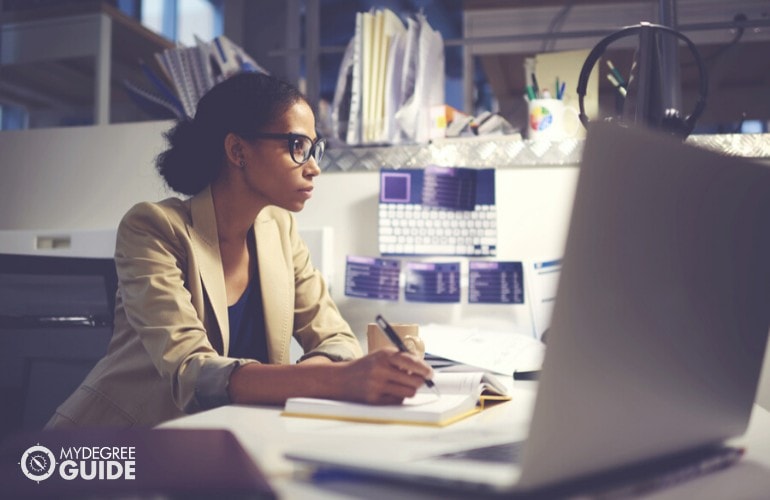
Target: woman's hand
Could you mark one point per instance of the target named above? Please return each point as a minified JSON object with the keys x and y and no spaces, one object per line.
{"x":385,"y":376}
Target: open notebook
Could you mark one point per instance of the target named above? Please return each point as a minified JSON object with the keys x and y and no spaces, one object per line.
{"x":460,"y":395}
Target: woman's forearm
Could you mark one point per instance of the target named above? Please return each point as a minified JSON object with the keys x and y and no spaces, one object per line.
{"x":256,"y":383}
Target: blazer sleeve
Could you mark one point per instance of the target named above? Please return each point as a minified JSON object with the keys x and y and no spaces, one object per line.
{"x":152,"y":260}
{"x":318,"y":325}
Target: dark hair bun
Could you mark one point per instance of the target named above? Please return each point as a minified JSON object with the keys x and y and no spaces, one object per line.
{"x":243,"y":104}
{"x":178,"y":165}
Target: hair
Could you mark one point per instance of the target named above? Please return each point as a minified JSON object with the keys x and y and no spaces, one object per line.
{"x":243,"y":104}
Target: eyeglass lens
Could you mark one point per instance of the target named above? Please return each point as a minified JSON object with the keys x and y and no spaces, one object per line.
{"x":302,"y":148}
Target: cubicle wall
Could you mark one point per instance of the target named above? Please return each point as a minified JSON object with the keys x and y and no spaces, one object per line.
{"x":77,"y":177}
{"x":87,"y":177}
{"x":532,"y":206}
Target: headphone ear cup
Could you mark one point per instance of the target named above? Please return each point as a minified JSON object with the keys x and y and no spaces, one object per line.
{"x":674,"y":123}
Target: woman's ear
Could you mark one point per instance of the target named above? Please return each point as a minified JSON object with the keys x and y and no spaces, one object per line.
{"x":234,"y":150}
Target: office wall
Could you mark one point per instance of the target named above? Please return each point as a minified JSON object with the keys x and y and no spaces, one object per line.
{"x":77,"y":177}
{"x":87,"y":177}
{"x":533,"y":207}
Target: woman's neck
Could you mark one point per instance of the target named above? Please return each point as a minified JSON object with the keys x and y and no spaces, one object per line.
{"x":234,"y":210}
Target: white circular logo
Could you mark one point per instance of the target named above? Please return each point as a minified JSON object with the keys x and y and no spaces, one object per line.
{"x":38,"y":463}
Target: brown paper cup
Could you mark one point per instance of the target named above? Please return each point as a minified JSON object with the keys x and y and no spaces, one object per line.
{"x":408,"y":332}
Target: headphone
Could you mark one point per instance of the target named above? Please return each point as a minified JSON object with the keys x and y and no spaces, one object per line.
{"x":672,"y":120}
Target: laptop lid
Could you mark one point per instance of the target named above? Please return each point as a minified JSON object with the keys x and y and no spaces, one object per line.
{"x":658,"y":330}
{"x":661,"y":319}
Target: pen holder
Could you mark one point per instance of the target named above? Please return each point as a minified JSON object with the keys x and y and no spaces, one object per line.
{"x":551,"y":120}
{"x":408,"y":332}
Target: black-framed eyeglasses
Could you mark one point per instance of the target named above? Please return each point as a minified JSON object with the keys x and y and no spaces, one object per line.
{"x":301,"y":147}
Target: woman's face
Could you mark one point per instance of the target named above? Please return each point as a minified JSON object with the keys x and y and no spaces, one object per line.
{"x":270,"y":172}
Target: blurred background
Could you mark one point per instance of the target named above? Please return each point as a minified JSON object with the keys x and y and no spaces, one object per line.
{"x":47,"y":76}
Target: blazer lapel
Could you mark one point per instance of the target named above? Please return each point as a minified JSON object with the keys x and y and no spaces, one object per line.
{"x":276,"y":280}
{"x":205,"y":244}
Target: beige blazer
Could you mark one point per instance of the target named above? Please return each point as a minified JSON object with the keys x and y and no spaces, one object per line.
{"x":168,"y":353}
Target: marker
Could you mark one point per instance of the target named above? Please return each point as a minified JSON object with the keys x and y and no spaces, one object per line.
{"x":530,"y":93}
{"x":535,"y":86}
{"x":617,"y":74}
{"x":616,"y":84}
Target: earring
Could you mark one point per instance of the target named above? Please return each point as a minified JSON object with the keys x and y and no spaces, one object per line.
{"x":242,"y":163}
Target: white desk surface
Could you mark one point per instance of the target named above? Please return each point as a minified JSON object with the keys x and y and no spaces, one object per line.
{"x":265,"y":435}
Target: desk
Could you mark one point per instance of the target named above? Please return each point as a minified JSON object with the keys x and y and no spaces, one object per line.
{"x":266,"y":435}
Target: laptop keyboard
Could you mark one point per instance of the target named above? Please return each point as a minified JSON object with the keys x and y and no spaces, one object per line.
{"x":498,"y":453}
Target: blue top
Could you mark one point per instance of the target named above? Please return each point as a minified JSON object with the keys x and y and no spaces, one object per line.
{"x":247,"y":324}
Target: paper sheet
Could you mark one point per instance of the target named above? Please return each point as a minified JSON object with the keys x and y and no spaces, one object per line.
{"x":414,"y":116}
{"x":391,"y":28}
{"x":495,"y":351}
{"x":356,"y":87}
{"x":542,"y":280}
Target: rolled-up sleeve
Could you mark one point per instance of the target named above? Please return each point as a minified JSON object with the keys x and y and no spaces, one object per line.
{"x":211,"y":387}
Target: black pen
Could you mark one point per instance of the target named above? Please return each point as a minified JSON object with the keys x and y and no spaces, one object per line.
{"x":526,"y":375}
{"x":393,"y":336}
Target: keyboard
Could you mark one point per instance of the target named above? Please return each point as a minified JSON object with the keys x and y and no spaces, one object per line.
{"x":413,"y":229}
{"x":438,"y":211}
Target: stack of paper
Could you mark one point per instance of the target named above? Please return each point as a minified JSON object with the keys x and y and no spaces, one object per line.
{"x":188,"y":73}
{"x":390,"y":77}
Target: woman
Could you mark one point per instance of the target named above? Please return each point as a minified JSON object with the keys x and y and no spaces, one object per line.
{"x":212,"y":287}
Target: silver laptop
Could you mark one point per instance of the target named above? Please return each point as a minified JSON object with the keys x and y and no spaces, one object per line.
{"x":659,"y":327}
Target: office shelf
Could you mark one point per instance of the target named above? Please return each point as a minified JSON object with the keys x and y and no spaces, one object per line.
{"x":508,"y":151}
{"x":68,"y":64}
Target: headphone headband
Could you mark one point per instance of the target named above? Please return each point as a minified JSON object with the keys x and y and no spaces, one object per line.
{"x":688,"y":123}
